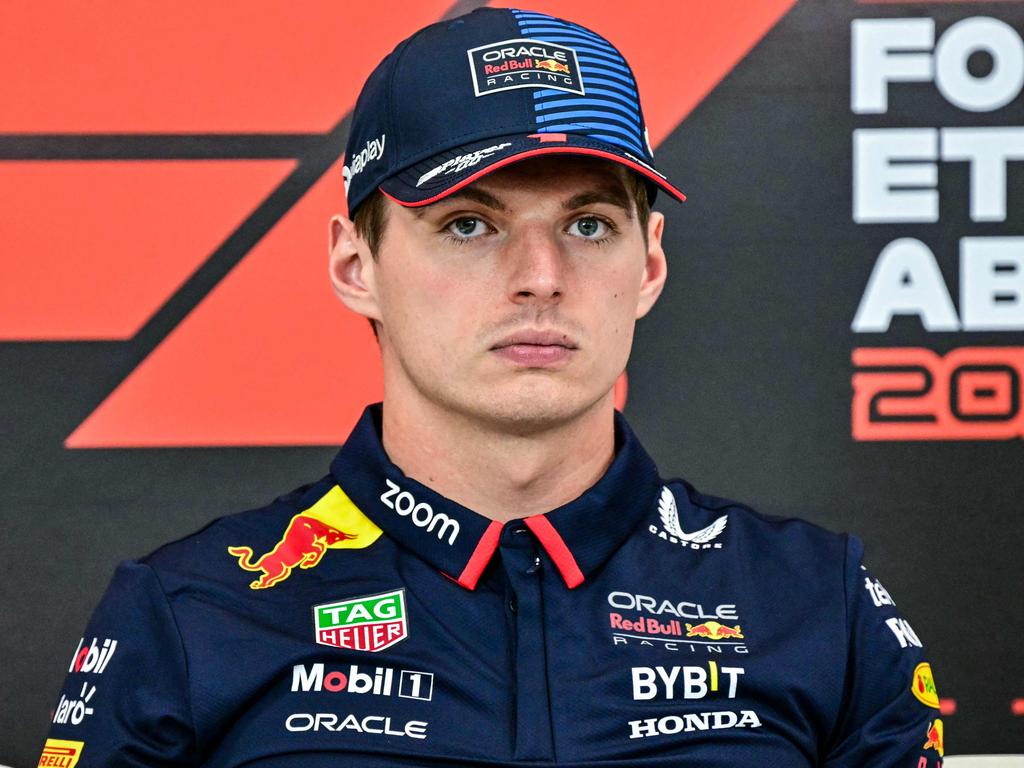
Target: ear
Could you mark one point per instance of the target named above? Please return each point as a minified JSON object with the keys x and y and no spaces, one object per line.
{"x":655,"y":266}
{"x":351,"y":268}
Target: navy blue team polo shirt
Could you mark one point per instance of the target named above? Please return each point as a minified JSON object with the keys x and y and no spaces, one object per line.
{"x":365,"y":620}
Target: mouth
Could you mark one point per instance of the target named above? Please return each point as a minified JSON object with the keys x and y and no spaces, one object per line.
{"x":536,"y":349}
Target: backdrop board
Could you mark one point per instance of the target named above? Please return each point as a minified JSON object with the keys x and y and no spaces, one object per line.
{"x":841,"y":337}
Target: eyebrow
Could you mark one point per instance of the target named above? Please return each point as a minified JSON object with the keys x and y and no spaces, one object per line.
{"x":470,"y":193}
{"x":612,"y":195}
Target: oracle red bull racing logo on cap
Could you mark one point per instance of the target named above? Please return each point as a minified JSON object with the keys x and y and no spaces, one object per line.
{"x":524,"y":63}
{"x":368,"y":623}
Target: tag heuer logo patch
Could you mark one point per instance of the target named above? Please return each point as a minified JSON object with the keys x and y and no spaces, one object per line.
{"x":524,"y":63}
{"x":369,"y":623}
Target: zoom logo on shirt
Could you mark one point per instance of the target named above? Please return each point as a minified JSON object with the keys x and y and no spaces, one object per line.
{"x":421,"y":514}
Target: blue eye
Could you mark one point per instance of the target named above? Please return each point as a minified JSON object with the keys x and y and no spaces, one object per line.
{"x":590,"y":228}
{"x":467,"y":227}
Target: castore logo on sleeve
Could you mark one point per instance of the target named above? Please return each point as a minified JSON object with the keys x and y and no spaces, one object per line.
{"x":672,"y":529}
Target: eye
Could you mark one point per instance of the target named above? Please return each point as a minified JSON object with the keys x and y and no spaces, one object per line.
{"x":467,"y":227}
{"x":590,"y":228}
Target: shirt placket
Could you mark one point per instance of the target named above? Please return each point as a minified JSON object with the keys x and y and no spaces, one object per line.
{"x":524,"y":607}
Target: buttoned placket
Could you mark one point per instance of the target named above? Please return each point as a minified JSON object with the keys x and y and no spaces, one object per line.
{"x":524,"y":607}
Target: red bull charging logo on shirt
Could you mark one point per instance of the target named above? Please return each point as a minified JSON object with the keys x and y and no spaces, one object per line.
{"x":333,"y":522}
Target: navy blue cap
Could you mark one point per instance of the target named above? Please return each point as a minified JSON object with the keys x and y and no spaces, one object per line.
{"x":463,"y":97}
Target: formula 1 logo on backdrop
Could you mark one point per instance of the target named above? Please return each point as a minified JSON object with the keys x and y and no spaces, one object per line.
{"x":200,"y":220}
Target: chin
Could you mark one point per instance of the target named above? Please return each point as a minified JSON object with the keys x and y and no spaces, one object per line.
{"x":533,"y":408}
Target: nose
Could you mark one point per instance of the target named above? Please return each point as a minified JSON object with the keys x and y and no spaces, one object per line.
{"x":538,"y":269}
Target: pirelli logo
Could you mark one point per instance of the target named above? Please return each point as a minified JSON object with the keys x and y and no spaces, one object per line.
{"x":59,"y":753}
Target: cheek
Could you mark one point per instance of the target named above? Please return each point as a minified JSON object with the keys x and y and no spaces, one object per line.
{"x":619,"y":303}
{"x":426,"y":310}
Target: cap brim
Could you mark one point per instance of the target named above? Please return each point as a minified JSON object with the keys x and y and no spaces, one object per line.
{"x":437,"y":177}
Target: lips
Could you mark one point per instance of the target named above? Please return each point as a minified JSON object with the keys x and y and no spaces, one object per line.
{"x":536,"y":349}
{"x":538,"y":339}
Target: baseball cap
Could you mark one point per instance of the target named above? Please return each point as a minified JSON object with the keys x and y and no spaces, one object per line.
{"x":466,"y":96}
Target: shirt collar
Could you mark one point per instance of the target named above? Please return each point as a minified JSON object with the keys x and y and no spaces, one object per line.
{"x":578,"y":537}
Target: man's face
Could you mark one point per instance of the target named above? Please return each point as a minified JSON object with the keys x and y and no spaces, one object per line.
{"x":512,"y":301}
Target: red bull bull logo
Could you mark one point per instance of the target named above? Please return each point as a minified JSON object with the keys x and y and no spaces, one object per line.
{"x":712,"y":630}
{"x":334,"y":522}
{"x":935,"y":740}
{"x":551,"y":66}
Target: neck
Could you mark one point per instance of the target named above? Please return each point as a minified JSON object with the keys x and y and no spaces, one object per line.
{"x":499,"y":473}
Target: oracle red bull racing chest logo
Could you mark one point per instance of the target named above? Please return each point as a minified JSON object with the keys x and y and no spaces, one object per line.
{"x":691,"y":627}
{"x":524,"y":63}
{"x":367,"y":623}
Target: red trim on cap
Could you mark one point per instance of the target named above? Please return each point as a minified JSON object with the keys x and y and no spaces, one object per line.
{"x":555,"y":546}
{"x":547,"y":138}
{"x":561,"y":150}
{"x":481,"y":556}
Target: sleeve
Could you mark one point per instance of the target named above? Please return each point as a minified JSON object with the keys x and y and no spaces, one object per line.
{"x":890,"y":714}
{"x":125,"y":701}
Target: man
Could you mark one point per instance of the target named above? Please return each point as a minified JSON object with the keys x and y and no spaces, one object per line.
{"x":493,"y":572}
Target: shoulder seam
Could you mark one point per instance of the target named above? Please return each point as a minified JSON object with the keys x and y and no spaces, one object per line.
{"x":184,"y":654}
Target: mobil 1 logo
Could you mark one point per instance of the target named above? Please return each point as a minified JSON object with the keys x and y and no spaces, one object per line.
{"x":378,"y":681}
{"x":524,"y":63}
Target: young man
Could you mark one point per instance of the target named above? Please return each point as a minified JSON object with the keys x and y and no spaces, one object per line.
{"x":493,"y":572}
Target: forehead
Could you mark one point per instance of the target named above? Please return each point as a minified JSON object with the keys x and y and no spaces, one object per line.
{"x":558,"y":171}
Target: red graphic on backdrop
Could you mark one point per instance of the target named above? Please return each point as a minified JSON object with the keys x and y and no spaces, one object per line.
{"x":93,"y":248}
{"x":911,"y":393}
{"x":269,"y":356}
